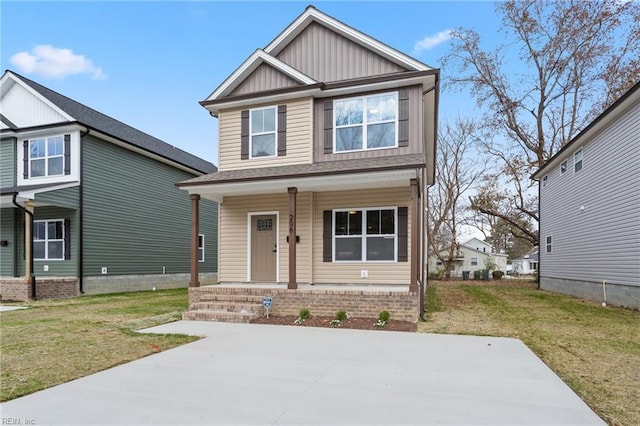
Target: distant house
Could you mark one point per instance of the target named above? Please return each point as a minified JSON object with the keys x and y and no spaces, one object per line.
{"x":471,"y":256}
{"x":525,"y":265}
{"x":327,"y":142}
{"x":590,"y":209}
{"x":89,"y":204}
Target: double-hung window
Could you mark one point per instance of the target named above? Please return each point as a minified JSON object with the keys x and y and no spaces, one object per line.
{"x":474,"y":261}
{"x":367,"y":122}
{"x":365,"y":235}
{"x":577,"y":161}
{"x":48,"y":239}
{"x":263,"y":131}
{"x":549,"y":244}
{"x":46,"y":157}
{"x":200,"y":247}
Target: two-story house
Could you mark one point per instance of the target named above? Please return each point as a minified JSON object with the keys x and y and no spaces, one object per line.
{"x":590,"y":209}
{"x":470,"y":256}
{"x":88,"y":203}
{"x":326,"y":146}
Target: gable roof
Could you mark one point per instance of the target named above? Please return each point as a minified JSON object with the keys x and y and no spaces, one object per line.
{"x":631,"y":96}
{"x":309,"y":16}
{"x":112,"y":127}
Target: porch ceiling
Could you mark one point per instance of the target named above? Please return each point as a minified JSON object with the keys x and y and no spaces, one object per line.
{"x":339,"y":182}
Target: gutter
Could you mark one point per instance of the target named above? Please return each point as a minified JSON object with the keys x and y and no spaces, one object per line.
{"x":32,"y":278}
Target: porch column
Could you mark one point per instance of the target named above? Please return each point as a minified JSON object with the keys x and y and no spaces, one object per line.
{"x":195,"y":222}
{"x":415,"y":258}
{"x":293,"y":283}
{"x":28,"y":243}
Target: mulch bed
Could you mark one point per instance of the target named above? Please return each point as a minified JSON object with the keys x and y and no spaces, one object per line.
{"x":353,"y":323}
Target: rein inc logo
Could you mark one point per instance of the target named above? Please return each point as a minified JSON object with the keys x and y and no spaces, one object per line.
{"x":17,"y":421}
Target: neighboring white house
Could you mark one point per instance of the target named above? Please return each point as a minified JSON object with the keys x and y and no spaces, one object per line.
{"x":590,"y":209}
{"x":471,"y":256}
{"x":525,"y":265}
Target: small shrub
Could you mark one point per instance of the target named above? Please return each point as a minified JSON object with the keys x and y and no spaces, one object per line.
{"x":497,"y":275}
{"x":342,"y":315}
{"x":477,"y":274}
{"x":335,"y":323}
{"x":304,"y":314}
{"x":384,"y":316}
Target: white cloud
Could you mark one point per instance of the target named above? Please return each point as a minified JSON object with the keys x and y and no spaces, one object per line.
{"x":52,"y":62}
{"x":431,"y":41}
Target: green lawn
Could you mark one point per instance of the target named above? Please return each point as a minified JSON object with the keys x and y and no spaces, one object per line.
{"x":595,"y":350}
{"x":60,"y":340}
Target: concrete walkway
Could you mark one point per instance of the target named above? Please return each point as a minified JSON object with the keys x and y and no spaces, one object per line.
{"x":285,"y":375}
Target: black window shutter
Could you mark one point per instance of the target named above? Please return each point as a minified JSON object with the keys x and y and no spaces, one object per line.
{"x":403,"y":117}
{"x":67,"y":239}
{"x":282,"y":130}
{"x":25,"y":159}
{"x":328,"y":127}
{"x":403,"y":231}
{"x":244,"y":135}
{"x":327,"y":236}
{"x":67,"y":154}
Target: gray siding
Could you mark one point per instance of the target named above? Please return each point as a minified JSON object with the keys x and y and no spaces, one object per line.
{"x":416,"y":144}
{"x":67,"y":197}
{"x":57,"y":268}
{"x":327,"y":56}
{"x":7,"y":162}
{"x":265,"y":77}
{"x":602,"y":241}
{"x":135,"y":220}
{"x":7,"y":233}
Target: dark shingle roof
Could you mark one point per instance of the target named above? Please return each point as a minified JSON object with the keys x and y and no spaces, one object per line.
{"x":392,"y":162}
{"x":105,"y":124}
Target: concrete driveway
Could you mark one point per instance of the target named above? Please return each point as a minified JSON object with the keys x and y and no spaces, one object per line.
{"x":280,"y":375}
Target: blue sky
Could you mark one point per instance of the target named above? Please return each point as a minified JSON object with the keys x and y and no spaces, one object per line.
{"x":149,"y":63}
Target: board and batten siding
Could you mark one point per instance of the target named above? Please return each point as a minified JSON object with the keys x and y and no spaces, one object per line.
{"x":135,"y":221}
{"x":57,"y":268}
{"x":234,"y":216}
{"x":7,"y":162}
{"x":415,"y":130}
{"x":298,"y":140}
{"x":27,"y":110}
{"x":326,"y":56}
{"x":593,"y":216}
{"x":350,"y":273}
{"x":8,"y":234}
{"x":265,"y":77}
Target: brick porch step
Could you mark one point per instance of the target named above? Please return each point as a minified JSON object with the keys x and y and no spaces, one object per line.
{"x":220,"y":316}
{"x":225,"y":305}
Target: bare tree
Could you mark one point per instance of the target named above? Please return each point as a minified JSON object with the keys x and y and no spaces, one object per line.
{"x":566,"y":59}
{"x":457,"y":170}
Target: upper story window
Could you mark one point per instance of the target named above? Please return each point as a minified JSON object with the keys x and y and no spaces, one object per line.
{"x":544,"y":180}
{"x":367,"y":122}
{"x":262,"y":132}
{"x":474,"y":261}
{"x":46,"y":157}
{"x":549,"y":244}
{"x":564,"y":166}
{"x":577,"y":161}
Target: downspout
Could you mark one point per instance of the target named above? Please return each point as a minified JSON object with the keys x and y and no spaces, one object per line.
{"x":81,"y":216}
{"x":31,"y":265}
{"x":539,"y":236}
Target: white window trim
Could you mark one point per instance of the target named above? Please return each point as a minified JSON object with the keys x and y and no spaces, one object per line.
{"x":46,"y":157}
{"x":364,"y":123}
{"x":581,"y":152}
{"x":74,"y":176}
{"x":363,"y":236}
{"x":548,"y":244}
{"x":201,"y":248}
{"x":48,"y":240}
{"x":471,"y":260}
{"x":275,"y":133}
{"x":563,"y":172}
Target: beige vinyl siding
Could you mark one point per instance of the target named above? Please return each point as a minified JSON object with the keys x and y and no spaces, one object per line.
{"x":326,"y":56}
{"x":416,"y":144}
{"x":299,"y":135}
{"x":234,"y":215}
{"x":349,"y":273}
{"x":265,"y":77}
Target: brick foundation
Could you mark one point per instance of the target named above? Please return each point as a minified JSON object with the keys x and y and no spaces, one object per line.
{"x":401,"y":304}
{"x":17,"y":289}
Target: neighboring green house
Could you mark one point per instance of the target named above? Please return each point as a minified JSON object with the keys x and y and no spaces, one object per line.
{"x":107,"y":216}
